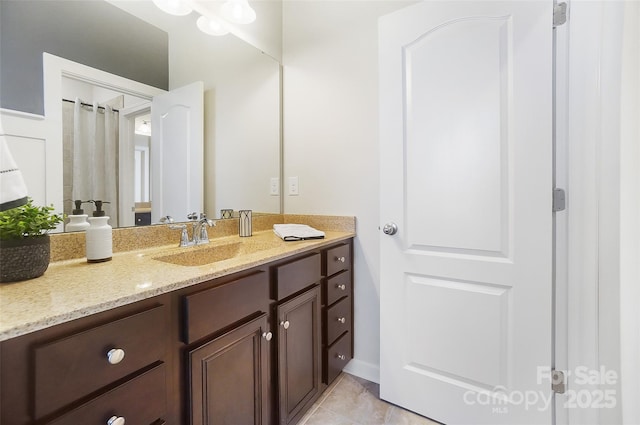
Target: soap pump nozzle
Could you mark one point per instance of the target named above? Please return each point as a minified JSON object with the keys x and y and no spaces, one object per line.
{"x":78,"y":209}
{"x":99,"y":212}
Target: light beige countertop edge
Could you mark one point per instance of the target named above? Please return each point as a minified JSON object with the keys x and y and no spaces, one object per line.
{"x":73,"y":289}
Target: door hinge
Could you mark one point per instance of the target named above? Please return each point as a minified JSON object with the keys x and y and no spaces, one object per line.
{"x":559,"y":14}
{"x":558,"y":383}
{"x":559,"y":200}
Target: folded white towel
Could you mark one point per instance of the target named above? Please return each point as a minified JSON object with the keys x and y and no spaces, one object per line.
{"x":296,"y":232}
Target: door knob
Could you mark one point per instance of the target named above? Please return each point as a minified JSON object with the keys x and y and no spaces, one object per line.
{"x":267,"y":336}
{"x":390,"y":229}
{"x":285,"y":324}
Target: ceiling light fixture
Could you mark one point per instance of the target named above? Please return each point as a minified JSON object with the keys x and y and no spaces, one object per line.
{"x":144,"y":129}
{"x":211,"y":26}
{"x":238,"y":11}
{"x":235,"y":11}
{"x":173,"y":7}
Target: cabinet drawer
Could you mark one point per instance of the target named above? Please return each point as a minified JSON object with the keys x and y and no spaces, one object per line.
{"x":336,"y":357}
{"x":212,"y":309}
{"x":337,"y":287}
{"x":141,"y":400}
{"x":338,"y":319}
{"x":75,"y":366}
{"x":338,"y":259}
{"x":297,"y":275}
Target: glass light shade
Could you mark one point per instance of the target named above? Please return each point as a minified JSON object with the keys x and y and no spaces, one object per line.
{"x":143,"y":129}
{"x":238,"y":11}
{"x":211,"y":26}
{"x":173,"y":7}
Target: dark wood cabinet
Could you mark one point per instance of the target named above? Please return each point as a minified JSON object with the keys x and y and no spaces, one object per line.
{"x":255,"y":347}
{"x":88,"y":370}
{"x":337,"y":310}
{"x":298,"y":354}
{"x":228,"y":382}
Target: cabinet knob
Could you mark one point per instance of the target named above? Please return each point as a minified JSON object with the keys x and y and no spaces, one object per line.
{"x":340,"y":259}
{"x":341,"y":356}
{"x":341,"y":286}
{"x":267,"y":336}
{"x":342,"y":320}
{"x":285,"y":324}
{"x":115,"y":420}
{"x":115,"y":356}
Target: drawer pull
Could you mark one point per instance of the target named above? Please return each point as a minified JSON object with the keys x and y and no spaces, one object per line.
{"x":341,"y":356}
{"x":115,"y":356}
{"x":267,"y":336}
{"x":285,"y":324}
{"x":340,"y":259}
{"x":341,"y":286}
{"x":342,"y":320}
{"x":115,"y":420}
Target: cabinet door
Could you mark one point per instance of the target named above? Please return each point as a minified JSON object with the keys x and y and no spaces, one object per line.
{"x":298,"y":354}
{"x":229,"y":377}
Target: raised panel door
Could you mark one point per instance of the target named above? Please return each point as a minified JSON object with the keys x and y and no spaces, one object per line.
{"x":299,"y":359}
{"x":229,"y":377}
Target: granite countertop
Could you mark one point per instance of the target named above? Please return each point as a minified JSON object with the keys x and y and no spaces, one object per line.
{"x":73,"y":289}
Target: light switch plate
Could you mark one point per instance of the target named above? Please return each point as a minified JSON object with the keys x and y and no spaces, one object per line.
{"x":293,"y":186}
{"x":274,"y":186}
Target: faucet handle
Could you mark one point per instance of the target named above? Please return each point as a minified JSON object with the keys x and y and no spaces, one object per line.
{"x":184,"y":235}
{"x":166,"y":219}
{"x":203,"y":216}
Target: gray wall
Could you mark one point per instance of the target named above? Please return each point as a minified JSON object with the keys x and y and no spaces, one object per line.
{"x":91,"y":32}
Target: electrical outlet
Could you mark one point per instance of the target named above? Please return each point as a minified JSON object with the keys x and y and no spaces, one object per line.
{"x":293,"y":186}
{"x":274,"y":186}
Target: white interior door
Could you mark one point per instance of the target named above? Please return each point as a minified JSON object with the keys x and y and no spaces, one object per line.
{"x":466,"y":174}
{"x":177,"y":152}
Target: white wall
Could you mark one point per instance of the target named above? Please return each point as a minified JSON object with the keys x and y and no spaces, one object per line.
{"x":330,"y":56}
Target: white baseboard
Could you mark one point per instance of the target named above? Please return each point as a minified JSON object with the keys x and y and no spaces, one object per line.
{"x":364,"y":370}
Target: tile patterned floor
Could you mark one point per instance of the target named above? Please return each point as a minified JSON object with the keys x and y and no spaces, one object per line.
{"x":354,"y":401}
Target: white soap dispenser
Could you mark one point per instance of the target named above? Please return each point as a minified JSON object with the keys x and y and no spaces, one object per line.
{"x":78,"y":220}
{"x":99,"y":236}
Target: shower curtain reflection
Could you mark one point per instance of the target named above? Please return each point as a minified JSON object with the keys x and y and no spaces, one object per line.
{"x":90,"y":140}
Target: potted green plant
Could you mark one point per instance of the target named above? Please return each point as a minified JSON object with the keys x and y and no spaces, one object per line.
{"x":24,"y":241}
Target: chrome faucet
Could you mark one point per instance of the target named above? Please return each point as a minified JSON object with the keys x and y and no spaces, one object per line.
{"x":200,"y":234}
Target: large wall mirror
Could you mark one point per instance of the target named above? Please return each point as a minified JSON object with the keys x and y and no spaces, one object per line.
{"x":241,"y":152}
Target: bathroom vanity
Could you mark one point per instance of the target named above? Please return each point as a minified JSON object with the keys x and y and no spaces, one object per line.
{"x":250,"y":340}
